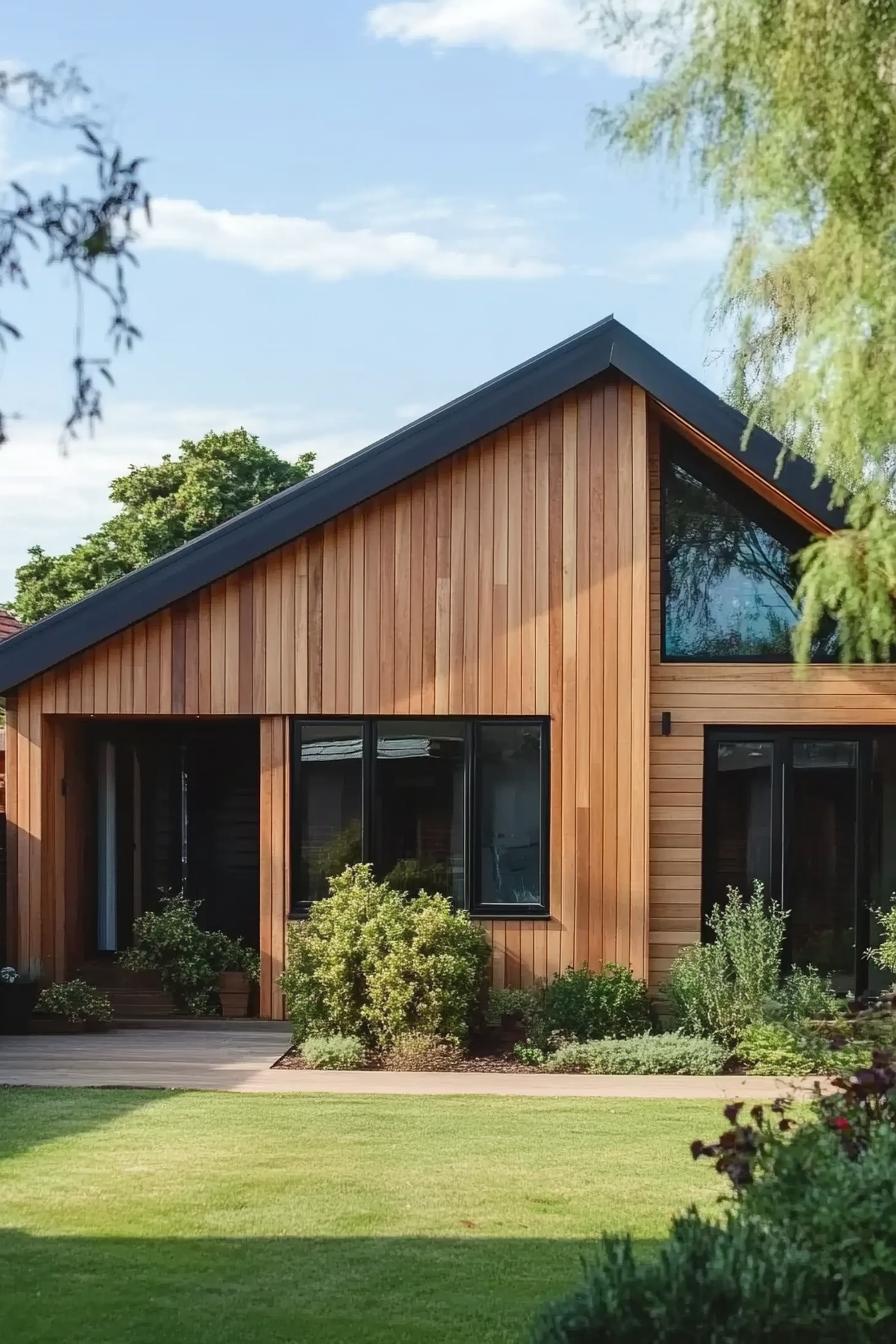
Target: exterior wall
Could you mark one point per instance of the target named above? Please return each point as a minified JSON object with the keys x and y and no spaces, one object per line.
{"x":698,"y":695}
{"x":511,"y":578}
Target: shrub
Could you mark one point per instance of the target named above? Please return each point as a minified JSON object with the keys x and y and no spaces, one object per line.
{"x":530,"y":1055}
{"x":803,"y":1253}
{"x":713,"y":1282}
{"x":187,"y":958}
{"x":783,"y":1048}
{"x":76,"y":1001}
{"x":370,"y":962}
{"x":416,"y":1052}
{"x":804,"y":993}
{"x":584,"y":1005}
{"x":667,"y":1053}
{"x":232,"y":954}
{"x":333,"y":1052}
{"x":525,"y":1006}
{"x":884,"y":955}
{"x":722,"y":987}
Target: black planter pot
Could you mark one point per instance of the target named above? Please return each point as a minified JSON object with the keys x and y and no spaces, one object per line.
{"x":16,"y":1006}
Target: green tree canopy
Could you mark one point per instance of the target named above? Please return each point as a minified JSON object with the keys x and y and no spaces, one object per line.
{"x":785,"y":113}
{"x":160,"y":507}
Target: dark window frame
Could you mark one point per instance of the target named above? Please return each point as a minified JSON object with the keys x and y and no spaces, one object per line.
{"x":676,"y":450}
{"x":782,"y":740}
{"x":300,"y":905}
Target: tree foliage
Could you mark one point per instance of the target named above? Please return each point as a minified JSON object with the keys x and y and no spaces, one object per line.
{"x":89,"y":234}
{"x":785,"y":113}
{"x":160,"y":507}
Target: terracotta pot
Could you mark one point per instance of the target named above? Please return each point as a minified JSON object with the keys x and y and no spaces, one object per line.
{"x":233,"y":991}
{"x":16,"y":1006}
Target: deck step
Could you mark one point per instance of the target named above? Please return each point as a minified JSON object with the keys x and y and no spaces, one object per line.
{"x":131,"y":993}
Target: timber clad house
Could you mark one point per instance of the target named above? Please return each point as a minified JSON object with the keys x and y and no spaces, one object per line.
{"x":532,"y":651}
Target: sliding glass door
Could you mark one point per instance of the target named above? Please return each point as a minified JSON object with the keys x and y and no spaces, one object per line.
{"x":811,"y":814}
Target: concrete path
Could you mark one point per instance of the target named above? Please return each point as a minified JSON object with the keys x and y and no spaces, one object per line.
{"x":237,"y":1059}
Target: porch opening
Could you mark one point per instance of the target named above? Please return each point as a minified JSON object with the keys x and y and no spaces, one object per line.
{"x":175,"y":808}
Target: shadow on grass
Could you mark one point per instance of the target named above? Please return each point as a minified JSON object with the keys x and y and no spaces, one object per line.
{"x":30,"y":1116}
{"x":366,"y":1290}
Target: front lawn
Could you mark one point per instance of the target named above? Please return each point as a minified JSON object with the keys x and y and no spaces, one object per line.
{"x":132,"y":1217}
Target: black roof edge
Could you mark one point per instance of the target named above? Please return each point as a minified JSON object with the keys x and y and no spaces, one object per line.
{"x":607,"y":344}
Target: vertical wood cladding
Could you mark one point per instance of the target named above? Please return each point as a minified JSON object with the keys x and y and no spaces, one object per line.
{"x":511,"y":578}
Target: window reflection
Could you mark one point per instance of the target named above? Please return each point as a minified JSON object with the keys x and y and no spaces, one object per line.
{"x":729,"y":577}
{"x":418,"y":806}
{"x":329,"y":803}
{"x":510,"y":861}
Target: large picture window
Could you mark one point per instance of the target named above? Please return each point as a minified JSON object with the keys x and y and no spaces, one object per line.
{"x":456,"y":806}
{"x":728,"y":573}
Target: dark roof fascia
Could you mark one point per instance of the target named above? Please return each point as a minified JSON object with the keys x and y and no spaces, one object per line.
{"x":723,"y":424}
{"x":607,"y":344}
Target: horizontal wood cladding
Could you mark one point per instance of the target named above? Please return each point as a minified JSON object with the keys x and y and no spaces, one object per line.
{"x":701,"y":694}
{"x":511,"y":578}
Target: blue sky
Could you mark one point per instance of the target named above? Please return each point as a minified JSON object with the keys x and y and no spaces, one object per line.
{"x":361,"y":210}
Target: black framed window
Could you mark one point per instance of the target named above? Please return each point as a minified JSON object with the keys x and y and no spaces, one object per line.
{"x":510,"y":816}
{"x":457,"y":806}
{"x":811,"y":813}
{"x":728,"y":574}
{"x":329,"y":759}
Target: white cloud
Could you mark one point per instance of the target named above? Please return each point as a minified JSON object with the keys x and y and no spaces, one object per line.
{"x":651,"y":260}
{"x":54,"y":500}
{"x":526,"y":27}
{"x":326,"y":251}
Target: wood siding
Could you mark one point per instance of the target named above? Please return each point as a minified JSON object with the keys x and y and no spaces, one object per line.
{"x":512,"y":578}
{"x":698,"y":695}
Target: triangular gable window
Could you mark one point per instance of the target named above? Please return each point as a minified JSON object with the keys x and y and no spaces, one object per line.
{"x":727,"y":567}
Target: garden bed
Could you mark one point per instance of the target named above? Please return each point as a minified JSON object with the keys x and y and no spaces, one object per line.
{"x":475,"y":1064}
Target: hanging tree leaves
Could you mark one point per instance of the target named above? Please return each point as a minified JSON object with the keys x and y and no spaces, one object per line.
{"x":784,"y":111}
{"x":89,"y":234}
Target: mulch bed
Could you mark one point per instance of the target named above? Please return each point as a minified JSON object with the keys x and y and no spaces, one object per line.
{"x":476,"y":1064}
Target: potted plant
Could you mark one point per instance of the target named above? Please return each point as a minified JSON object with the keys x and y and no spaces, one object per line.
{"x":18,"y":995}
{"x":75,"y":1005}
{"x":237,"y":973}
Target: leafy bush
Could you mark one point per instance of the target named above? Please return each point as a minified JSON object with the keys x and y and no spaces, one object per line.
{"x":584,"y":1005}
{"x":187,"y":958}
{"x":416,"y":1052}
{"x":804,"y":993}
{"x":333,"y":1052}
{"x":884,"y":955}
{"x":76,"y":1001}
{"x":531,"y":1055}
{"x":525,"y":1006}
{"x":232,"y":954}
{"x":725,"y":1283}
{"x":785,"y":1048}
{"x":667,"y":1053}
{"x":722,"y":987}
{"x":804,"y":1253}
{"x":370,"y":962}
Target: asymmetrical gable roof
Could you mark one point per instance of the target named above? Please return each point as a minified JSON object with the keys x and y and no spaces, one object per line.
{"x":606,"y":345}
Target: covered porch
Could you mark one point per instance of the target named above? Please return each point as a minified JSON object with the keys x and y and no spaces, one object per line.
{"x":132,"y":808}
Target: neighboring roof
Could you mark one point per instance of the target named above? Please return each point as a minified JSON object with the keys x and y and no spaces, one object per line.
{"x":604,"y":346}
{"x":9,"y":626}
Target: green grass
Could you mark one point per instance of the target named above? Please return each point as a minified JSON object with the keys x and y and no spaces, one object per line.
{"x":137,"y":1217}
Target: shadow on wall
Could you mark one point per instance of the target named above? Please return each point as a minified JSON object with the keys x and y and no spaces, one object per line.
{"x":367,"y":1290}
